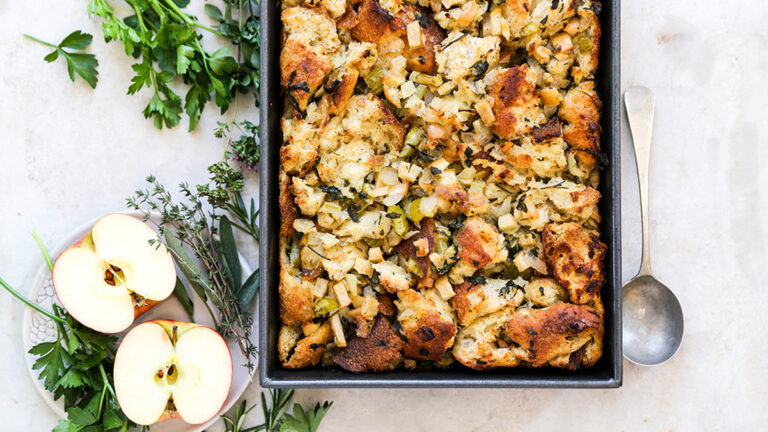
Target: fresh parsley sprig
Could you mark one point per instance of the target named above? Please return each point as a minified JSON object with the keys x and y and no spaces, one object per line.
{"x":305,"y":421}
{"x":239,"y":22}
{"x":166,"y":39}
{"x":77,"y":367}
{"x":82,"y":64}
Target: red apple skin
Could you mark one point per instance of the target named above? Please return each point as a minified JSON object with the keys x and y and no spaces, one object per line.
{"x":185,"y":326}
{"x":167,"y":416}
{"x":137,"y":310}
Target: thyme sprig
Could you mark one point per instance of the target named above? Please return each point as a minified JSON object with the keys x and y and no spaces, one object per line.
{"x":186,"y":224}
{"x":223,"y":191}
{"x":244,"y":149}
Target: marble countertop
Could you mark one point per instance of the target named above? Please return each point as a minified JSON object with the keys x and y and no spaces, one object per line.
{"x":69,"y":153}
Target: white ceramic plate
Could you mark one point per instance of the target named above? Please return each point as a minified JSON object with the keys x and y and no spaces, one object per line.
{"x":38,"y":328}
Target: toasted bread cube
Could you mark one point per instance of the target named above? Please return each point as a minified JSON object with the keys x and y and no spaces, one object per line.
{"x":408,"y":172}
{"x":440,"y":164}
{"x":444,"y":288}
{"x":408,"y":89}
{"x":319,"y":287}
{"x":309,"y":328}
{"x":507,"y":223}
{"x":363,"y":266}
{"x":550,"y":97}
{"x":422,"y":247}
{"x":375,"y":255}
{"x":572,"y":27}
{"x":484,"y":108}
{"x":414,"y":34}
{"x":370,"y":307}
{"x":353,"y":289}
{"x":338,"y":331}
{"x":342,"y":297}
{"x":562,"y":42}
{"x":352,"y":283}
{"x":542,"y":54}
{"x":437,"y":259}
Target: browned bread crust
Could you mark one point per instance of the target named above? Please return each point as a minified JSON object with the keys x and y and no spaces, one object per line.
{"x":516,"y":103}
{"x":428,"y":330}
{"x":379,"y":351}
{"x":308,"y":351}
{"x":554,"y":334}
{"x":576,"y":258}
{"x":377,"y":25}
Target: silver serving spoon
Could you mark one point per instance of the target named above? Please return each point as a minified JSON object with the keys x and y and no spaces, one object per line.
{"x":653,"y":319}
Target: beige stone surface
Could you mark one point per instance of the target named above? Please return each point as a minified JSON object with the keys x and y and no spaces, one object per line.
{"x":69,"y":153}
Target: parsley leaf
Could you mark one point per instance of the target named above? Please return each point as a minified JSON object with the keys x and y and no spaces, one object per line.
{"x":77,"y":63}
{"x":305,"y":421}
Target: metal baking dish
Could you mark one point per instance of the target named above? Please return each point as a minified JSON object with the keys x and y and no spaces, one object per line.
{"x":606,"y":373}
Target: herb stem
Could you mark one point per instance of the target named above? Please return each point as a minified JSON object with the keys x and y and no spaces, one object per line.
{"x":106,"y":381}
{"x":139,"y":18}
{"x":29,"y":303}
{"x":39,"y":41}
{"x":172,"y":6}
{"x":181,"y":262}
{"x":44,"y":250}
{"x":210,"y":312}
{"x":158,"y":10}
{"x":101,"y":400}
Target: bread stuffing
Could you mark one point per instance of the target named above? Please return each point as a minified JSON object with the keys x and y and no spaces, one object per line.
{"x":439,"y":177}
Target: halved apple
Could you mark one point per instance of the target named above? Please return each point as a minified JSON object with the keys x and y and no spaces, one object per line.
{"x":112,"y":275}
{"x":166,"y":369}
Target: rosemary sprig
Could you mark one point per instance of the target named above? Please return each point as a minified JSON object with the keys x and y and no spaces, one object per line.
{"x":247,"y":218}
{"x":185,"y":224}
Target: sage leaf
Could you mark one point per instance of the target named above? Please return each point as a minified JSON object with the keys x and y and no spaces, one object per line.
{"x":188,"y":267}
{"x":249,"y":289}
{"x":229,"y":252}
{"x":180,"y":291}
{"x":214,"y":12}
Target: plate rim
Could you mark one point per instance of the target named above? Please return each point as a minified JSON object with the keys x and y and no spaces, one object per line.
{"x":39,"y":278}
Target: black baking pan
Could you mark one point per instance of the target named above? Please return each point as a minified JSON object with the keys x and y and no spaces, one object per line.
{"x":606,"y":373}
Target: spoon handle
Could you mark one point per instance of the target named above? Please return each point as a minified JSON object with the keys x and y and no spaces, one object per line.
{"x":640,"y":102}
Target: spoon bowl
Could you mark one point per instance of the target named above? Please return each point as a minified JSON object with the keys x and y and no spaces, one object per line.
{"x":653,"y":321}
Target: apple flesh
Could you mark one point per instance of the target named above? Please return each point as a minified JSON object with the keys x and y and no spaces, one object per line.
{"x":166,"y":369}
{"x":113,"y":274}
